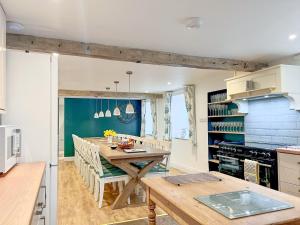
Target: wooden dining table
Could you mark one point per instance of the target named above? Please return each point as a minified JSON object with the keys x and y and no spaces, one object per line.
{"x":152,"y":156}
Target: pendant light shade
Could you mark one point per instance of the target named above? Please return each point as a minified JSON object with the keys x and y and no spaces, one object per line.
{"x":96,"y":116}
{"x":117,"y":111}
{"x":101,"y":113}
{"x":129,"y":107}
{"x":108,"y":112}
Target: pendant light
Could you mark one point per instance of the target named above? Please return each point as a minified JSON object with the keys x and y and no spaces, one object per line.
{"x":96,"y":116}
{"x":129,"y":107}
{"x":116,"y":110}
{"x":107,"y":112}
{"x":101,"y":113}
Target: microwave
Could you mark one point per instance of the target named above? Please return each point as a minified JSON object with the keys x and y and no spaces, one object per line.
{"x":10,"y":147}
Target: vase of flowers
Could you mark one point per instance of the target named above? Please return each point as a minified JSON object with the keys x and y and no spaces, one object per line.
{"x":109,"y":134}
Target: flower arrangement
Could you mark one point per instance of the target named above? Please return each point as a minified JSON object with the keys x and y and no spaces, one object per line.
{"x":110,"y":133}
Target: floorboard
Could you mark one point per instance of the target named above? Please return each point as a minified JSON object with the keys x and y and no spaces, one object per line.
{"x":76,"y":205}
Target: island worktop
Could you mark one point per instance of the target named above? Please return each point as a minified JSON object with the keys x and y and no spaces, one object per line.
{"x":19,"y":189}
{"x":179,"y":202}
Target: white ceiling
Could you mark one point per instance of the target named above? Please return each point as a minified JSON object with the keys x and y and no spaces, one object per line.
{"x":80,"y":73}
{"x":248,"y":29}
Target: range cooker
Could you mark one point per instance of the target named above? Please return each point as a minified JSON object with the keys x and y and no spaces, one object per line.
{"x":232,"y":158}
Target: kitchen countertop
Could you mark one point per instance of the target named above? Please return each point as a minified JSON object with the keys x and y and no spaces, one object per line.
{"x":18,"y":193}
{"x":289,"y":150}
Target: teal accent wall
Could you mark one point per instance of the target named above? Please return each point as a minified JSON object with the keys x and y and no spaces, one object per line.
{"x":79,"y":120}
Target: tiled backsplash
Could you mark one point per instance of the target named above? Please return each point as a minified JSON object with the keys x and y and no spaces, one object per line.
{"x":270,"y":123}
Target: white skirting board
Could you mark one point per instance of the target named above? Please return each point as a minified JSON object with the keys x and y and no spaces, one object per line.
{"x":69,"y":158}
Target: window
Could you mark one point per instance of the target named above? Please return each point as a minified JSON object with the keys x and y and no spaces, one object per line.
{"x":148,"y":119}
{"x":179,"y":117}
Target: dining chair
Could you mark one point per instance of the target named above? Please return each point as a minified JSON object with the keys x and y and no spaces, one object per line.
{"x":161,"y":169}
{"x":105,"y":173}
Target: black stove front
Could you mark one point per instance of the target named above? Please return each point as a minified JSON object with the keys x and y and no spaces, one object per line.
{"x":232,"y":158}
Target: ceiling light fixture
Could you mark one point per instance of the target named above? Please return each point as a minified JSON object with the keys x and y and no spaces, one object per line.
{"x":101,"y":113}
{"x":14,"y":26}
{"x":292,"y":37}
{"x":193,"y":23}
{"x":169,"y":83}
{"x":116,"y":110}
{"x":96,"y":116}
{"x":129,"y":107}
{"x":107,"y":112}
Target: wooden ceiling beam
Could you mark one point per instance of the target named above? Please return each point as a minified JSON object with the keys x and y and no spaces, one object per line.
{"x":66,"y":47}
{"x":106,"y":94}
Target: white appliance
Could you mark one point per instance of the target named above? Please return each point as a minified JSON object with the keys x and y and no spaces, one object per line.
{"x":10,"y":147}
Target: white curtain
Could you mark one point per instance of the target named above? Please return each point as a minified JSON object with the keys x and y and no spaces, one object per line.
{"x":189,"y":94}
{"x":143,"y":119}
{"x":167,"y":116}
{"x":154,"y":117}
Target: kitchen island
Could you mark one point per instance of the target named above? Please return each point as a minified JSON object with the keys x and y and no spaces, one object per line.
{"x":179,"y":202}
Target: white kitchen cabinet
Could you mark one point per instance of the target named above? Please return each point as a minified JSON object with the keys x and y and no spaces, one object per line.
{"x":39,"y":215}
{"x":289,"y":173}
{"x":2,"y":59}
{"x":278,"y":80}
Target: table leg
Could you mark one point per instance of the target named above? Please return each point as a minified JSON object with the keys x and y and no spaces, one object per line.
{"x":136,"y":176}
{"x":152,"y":214}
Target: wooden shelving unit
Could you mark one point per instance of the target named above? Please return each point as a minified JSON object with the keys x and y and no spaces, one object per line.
{"x":226,"y":132}
{"x":219,"y":136}
{"x":225,"y":116}
{"x":221,"y":102}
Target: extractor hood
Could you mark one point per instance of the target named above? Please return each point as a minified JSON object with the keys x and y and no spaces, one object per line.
{"x":281,"y":80}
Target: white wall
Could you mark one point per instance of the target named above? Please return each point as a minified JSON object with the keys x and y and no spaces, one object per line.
{"x":184,"y":156}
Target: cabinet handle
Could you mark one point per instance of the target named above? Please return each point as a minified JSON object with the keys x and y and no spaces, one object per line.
{"x":39,"y":212}
{"x":45,"y":195}
{"x":44,"y":219}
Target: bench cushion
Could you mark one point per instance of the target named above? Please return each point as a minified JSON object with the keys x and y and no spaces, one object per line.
{"x":111,"y":171}
{"x":159,"y":168}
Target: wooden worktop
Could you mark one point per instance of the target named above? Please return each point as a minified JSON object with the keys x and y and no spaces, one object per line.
{"x":18,"y":193}
{"x":179,"y":202}
{"x":287,"y":150}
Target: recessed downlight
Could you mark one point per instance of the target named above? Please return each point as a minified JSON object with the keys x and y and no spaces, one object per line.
{"x":14,"y":26}
{"x":193,"y":23}
{"x":169,"y":83}
{"x":292,"y":37}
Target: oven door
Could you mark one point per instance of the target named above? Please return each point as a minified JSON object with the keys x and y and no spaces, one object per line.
{"x":231,"y":166}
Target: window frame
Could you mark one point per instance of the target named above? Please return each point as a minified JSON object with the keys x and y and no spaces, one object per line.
{"x":147,"y":134}
{"x":178,"y":92}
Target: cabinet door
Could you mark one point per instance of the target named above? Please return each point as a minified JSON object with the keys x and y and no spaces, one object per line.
{"x":267,"y":79}
{"x":2,"y":59}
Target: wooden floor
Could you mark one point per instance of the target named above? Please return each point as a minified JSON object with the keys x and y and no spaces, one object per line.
{"x":76,"y":205}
